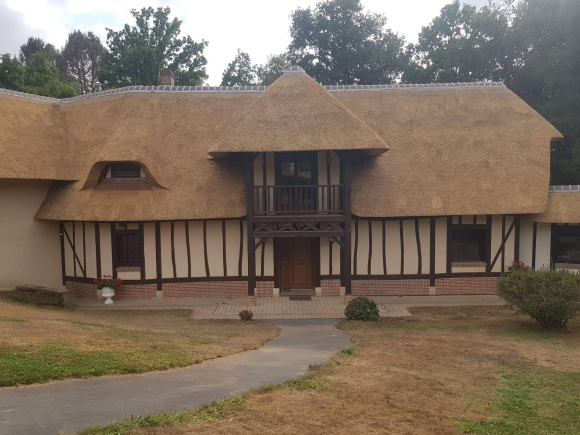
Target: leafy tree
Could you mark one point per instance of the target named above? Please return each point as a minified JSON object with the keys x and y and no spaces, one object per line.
{"x":273,"y":68}
{"x":338,"y":43}
{"x":240,"y":71}
{"x":137,"y":54}
{"x":32,"y":46}
{"x":81,"y":60}
{"x":462,"y":45}
{"x":38,"y":76}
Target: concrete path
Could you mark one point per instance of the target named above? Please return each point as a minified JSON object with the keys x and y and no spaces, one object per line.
{"x":320,"y":307}
{"x":73,"y":405}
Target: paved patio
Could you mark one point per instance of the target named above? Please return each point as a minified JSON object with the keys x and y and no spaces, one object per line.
{"x":322,"y":307}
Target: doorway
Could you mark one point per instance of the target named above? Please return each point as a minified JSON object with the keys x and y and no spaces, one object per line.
{"x":298,"y":262}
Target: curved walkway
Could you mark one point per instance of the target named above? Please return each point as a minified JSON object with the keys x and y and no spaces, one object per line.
{"x":75,"y":404}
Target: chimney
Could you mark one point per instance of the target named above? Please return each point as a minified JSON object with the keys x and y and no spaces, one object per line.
{"x":167,"y":77}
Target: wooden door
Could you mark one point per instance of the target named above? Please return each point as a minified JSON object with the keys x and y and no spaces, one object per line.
{"x":298,"y":262}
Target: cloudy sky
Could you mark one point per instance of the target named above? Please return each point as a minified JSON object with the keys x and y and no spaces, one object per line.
{"x":260,"y":27}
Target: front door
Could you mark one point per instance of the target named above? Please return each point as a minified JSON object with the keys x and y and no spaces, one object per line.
{"x":298,"y":262}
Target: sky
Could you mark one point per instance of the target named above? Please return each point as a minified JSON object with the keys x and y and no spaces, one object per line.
{"x":259,"y":28}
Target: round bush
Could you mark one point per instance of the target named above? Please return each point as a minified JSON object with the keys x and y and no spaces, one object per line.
{"x":362,"y":308}
{"x":246,"y":315}
{"x":551,"y":297}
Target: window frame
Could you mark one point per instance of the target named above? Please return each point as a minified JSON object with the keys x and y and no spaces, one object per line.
{"x":118,"y":173}
{"x":559,"y":231}
{"x":140,"y":251}
{"x":482,"y":232}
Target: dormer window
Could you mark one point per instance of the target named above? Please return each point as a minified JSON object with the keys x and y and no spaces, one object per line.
{"x":125,"y":170}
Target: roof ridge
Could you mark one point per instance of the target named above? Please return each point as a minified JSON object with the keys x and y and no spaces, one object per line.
{"x":247,"y":89}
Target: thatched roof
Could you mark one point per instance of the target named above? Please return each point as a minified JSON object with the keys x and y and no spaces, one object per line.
{"x":297,"y":114}
{"x":455,"y":149}
{"x":563,"y":206}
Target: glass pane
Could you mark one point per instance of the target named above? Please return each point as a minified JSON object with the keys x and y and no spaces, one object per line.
{"x":568,"y":249}
{"x":287,"y":173}
{"x":304,"y":173}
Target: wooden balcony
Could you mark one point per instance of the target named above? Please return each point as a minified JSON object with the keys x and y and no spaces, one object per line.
{"x":298,"y":200}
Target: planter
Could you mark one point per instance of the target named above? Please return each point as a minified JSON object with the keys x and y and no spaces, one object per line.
{"x":108,"y":293}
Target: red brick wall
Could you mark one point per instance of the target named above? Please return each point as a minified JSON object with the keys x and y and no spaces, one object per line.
{"x":466,"y":286}
{"x":138,"y":291}
{"x":81,"y":290}
{"x":264,"y":289}
{"x":206,"y":289}
{"x":330,"y":287}
{"x":390,"y":287}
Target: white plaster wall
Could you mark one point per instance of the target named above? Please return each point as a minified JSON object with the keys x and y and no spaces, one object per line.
{"x":543,"y":241}
{"x":29,"y":248}
{"x":106,"y":250}
{"x":441,"y":245}
{"x":150,"y":256}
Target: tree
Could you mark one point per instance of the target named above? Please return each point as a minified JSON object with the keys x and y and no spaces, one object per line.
{"x":81,"y":60}
{"x":240,"y":71}
{"x":38,"y":76}
{"x":462,"y":45}
{"x":137,"y":54}
{"x":337,"y":43}
{"x":268,"y":72}
{"x":32,"y":46}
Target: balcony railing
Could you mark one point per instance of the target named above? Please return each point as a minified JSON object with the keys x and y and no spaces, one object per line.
{"x":314,"y":199}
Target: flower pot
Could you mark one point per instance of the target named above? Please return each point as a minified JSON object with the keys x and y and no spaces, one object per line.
{"x":108,"y":293}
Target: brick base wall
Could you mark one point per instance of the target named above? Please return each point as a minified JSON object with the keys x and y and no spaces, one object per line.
{"x":264,"y":289}
{"x":206,"y":289}
{"x":390,"y":287}
{"x":330,"y":287}
{"x":138,"y":291}
{"x":466,"y":286}
{"x":81,"y":290}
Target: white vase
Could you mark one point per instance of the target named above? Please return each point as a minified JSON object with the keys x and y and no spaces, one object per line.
{"x":108,"y":293}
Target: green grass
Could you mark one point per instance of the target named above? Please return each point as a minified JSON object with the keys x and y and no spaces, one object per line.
{"x":348,"y":351}
{"x":57,"y":360}
{"x":213,"y":411}
{"x":10,"y":319}
{"x":532,"y":404}
{"x":301,"y":383}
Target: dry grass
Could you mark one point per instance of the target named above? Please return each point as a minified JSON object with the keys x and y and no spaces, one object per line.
{"x":442,"y":371}
{"x":39,"y":344}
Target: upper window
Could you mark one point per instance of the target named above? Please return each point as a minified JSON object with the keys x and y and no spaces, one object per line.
{"x":296,"y":169}
{"x":125,"y":170}
{"x":566,"y":244}
{"x":468,"y":244}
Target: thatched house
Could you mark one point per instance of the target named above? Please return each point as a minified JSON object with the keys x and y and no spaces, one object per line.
{"x":235,"y":191}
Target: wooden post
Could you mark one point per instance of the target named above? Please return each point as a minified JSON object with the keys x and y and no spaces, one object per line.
{"x":517,"y":239}
{"x":98,"y":247}
{"x":62,"y":258}
{"x":250,"y":224}
{"x":347,"y":270}
{"x":432,"y":230}
{"x":158,"y":255}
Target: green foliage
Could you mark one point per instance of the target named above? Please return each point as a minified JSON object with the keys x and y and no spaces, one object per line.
{"x":39,"y":75}
{"x":80,"y":60}
{"x":214,"y":411}
{"x":55,"y":360}
{"x":38,"y":297}
{"x":301,"y":383}
{"x":362,"y":308}
{"x":33,"y":46}
{"x":348,"y":351}
{"x":268,"y":72}
{"x":240,"y":71}
{"x":137,"y":54}
{"x":246,"y":315}
{"x":531,"y":404}
{"x":338,"y":43}
{"x":551,"y":297}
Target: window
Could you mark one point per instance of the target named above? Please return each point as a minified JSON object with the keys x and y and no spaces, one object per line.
{"x":125,"y":170}
{"x":566,"y":244}
{"x":467,"y":244}
{"x":128,"y":247}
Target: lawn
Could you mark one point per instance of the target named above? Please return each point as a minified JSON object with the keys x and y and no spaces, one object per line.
{"x":39,"y":344}
{"x":478,"y":370}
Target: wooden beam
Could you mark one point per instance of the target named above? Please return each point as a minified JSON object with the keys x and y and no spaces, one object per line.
{"x":534,"y":240}
{"x":249,"y":181}
{"x":75,"y":256}
{"x":173,"y":249}
{"x":402,"y":243}
{"x":84,"y":251}
{"x":158,"y":256}
{"x":188,"y":246}
{"x":74,"y":248}
{"x":263,"y":257}
{"x":241,"y":253}
{"x":432,"y":229}
{"x":488,"y":222}
{"x":98,"y":247}
{"x":142,"y":249}
{"x":419,"y":255}
{"x":369,"y":267}
{"x":503,"y":217}
{"x":346,"y":272}
{"x":355,"y":264}
{"x":502,"y":246}
{"x":62,"y":257}
{"x":224,"y":248}
{"x":384,"y":243}
{"x":330,"y":243}
{"x":205,"y":257}
{"x":449,"y":223}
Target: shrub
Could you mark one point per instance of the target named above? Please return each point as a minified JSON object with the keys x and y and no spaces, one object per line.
{"x":362,"y":308}
{"x":551,"y":297}
{"x":246,"y":315}
{"x":39,"y":297}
